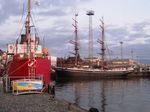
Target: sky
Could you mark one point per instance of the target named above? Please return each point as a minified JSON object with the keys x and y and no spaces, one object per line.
{"x":126,"y":21}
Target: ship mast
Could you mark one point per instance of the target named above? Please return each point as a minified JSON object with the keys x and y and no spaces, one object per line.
{"x":30,"y":53}
{"x":27,"y":23}
{"x":75,"y":42}
{"x":102,"y":43}
{"x":27,"y":32}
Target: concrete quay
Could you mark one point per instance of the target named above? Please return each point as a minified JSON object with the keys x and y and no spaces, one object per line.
{"x":34,"y":103}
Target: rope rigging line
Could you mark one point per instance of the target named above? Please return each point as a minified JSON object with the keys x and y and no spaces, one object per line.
{"x":18,"y":35}
{"x":108,"y":51}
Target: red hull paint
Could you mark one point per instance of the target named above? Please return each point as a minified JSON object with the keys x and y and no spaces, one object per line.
{"x":19,"y":67}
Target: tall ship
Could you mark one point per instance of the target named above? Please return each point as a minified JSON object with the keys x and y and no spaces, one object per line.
{"x":76,"y":67}
{"x":27,"y":60}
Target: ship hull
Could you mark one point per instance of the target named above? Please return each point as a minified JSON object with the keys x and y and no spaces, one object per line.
{"x":19,"y":68}
{"x":89,"y":73}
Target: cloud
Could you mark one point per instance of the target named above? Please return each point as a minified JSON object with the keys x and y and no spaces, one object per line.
{"x":9,"y":8}
{"x":63,"y":3}
{"x":59,"y":7}
{"x":134,"y":36}
{"x":51,"y":7}
{"x":61,"y":32}
{"x":54,"y":12}
{"x":55,"y":22}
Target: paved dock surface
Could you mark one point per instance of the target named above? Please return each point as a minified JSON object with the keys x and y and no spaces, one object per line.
{"x":34,"y":103}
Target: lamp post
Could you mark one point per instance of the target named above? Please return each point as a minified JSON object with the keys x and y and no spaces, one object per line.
{"x":121,"y":43}
{"x":90,"y":14}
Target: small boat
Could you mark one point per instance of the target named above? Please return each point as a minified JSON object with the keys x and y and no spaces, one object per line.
{"x":27,"y":59}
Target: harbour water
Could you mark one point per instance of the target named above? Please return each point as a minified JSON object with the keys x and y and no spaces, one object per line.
{"x":108,"y":95}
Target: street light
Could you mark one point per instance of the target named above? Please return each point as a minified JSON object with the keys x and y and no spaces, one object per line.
{"x":121,"y":43}
{"x":90,"y":14}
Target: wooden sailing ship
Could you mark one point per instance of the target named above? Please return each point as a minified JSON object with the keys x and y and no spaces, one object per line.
{"x":80,"y":68}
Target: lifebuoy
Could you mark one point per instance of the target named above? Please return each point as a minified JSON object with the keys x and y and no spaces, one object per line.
{"x":31,"y":62}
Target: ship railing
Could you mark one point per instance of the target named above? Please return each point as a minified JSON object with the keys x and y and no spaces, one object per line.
{"x":8,"y":83}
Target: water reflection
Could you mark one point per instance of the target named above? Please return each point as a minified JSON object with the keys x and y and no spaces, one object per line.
{"x":103,"y":101}
{"x":120,"y":95}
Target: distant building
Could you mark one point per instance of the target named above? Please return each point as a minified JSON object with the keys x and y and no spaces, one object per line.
{"x":122,"y":64}
{"x":53,"y":61}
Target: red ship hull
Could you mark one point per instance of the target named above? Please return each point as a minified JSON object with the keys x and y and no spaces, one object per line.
{"x":27,"y":59}
{"x":19,"y":67}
